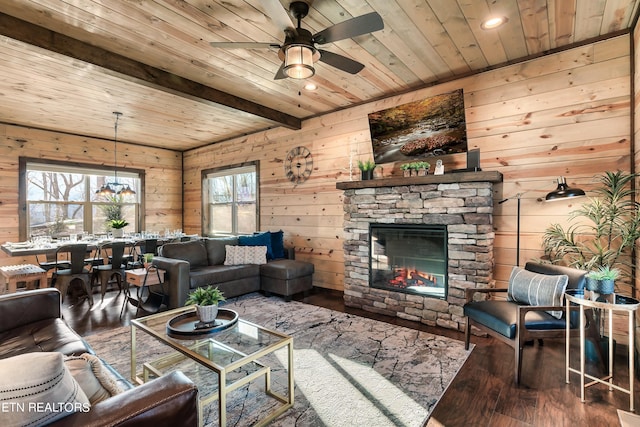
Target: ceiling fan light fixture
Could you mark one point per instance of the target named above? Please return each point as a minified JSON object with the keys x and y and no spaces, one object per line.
{"x":298,"y":62}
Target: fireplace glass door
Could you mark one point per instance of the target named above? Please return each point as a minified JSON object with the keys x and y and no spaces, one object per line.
{"x":409,"y":258}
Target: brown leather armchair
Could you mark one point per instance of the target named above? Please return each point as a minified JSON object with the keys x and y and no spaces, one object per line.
{"x":31,"y":321}
{"x":516,"y":323}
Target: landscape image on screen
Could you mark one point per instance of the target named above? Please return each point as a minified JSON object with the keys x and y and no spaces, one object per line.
{"x":418,"y":130}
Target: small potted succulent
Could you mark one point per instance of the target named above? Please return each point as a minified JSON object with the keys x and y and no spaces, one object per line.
{"x":147,"y":259}
{"x":422,"y":168}
{"x":206,"y":300}
{"x":366,"y":169}
{"x":602,"y":280}
{"x":415,"y":169}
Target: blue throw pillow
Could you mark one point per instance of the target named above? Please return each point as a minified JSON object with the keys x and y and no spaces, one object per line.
{"x":277,"y":244}
{"x":260,"y":239}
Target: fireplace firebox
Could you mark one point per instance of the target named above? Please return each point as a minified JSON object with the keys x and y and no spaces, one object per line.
{"x":409,"y":258}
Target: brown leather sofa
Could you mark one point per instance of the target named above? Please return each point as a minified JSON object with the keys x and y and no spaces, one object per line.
{"x":31,"y":321}
{"x":192,"y":264}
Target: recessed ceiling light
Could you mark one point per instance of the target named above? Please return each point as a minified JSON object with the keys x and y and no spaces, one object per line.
{"x":310,"y":86}
{"x":494,"y":22}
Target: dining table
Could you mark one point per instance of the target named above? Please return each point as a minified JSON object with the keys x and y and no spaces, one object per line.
{"x":49,"y":247}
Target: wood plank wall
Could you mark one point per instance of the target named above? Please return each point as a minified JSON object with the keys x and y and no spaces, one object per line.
{"x":163,"y":174}
{"x":566,"y":114}
{"x":636,"y":134}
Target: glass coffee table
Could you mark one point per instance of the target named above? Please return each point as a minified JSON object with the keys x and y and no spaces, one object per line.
{"x":231,"y":351}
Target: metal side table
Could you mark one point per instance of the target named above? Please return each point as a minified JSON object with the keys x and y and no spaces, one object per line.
{"x":622,"y":304}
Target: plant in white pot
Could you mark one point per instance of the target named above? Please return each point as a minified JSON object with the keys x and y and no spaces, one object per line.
{"x":117,"y":225}
{"x":206,"y":301}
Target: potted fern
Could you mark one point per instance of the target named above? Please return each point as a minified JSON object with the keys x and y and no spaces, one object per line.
{"x":206,"y":300}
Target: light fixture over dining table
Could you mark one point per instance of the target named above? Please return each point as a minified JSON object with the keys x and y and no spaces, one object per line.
{"x":115,"y":187}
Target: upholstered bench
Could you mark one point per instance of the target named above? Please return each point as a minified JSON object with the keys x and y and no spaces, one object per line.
{"x":286,"y":277}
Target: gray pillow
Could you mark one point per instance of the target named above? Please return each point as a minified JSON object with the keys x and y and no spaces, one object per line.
{"x":537,"y":289}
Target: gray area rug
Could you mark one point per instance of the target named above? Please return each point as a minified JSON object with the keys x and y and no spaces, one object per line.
{"x":349,"y":370}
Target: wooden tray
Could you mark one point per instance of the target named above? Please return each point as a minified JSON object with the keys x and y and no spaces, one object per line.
{"x":184,"y":325}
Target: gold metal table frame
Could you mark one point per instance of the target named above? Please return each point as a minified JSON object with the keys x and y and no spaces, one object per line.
{"x":630,"y":306}
{"x":203,"y":350}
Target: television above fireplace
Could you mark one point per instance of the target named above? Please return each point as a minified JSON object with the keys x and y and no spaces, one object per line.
{"x":419,"y":130}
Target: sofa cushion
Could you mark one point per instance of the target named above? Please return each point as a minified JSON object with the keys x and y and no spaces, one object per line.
{"x":39,"y":389}
{"x":93,"y":379}
{"x":238,"y":255}
{"x":193,"y":251}
{"x":277,"y":244}
{"x":537,"y":289}
{"x":44,"y":335}
{"x":286,"y":269}
{"x":259,"y":239}
{"x":215,"y":248}
{"x":215,"y":274}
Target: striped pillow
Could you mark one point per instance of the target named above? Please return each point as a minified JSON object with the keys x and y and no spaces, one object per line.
{"x":537,"y":289}
{"x":38,"y":389}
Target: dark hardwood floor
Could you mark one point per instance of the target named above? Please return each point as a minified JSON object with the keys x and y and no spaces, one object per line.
{"x":482,"y":394}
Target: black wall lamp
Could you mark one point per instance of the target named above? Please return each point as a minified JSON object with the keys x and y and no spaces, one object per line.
{"x":562,"y":192}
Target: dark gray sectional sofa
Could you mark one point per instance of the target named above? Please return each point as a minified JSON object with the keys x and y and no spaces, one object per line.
{"x":192,"y":264}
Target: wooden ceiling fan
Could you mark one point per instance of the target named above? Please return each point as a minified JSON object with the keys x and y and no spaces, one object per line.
{"x":299,"y":50}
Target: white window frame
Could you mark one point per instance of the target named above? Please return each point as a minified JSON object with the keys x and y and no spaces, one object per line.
{"x":234,"y":170}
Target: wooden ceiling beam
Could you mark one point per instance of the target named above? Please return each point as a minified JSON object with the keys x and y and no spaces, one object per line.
{"x":35,"y":35}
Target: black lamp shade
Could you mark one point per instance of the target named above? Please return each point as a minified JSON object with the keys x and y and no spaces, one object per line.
{"x":563,"y":191}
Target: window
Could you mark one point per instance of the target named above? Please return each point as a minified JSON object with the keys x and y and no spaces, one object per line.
{"x":230,"y":198}
{"x":61,"y":199}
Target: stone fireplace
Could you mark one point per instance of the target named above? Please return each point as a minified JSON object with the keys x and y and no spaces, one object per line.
{"x":409,"y":283}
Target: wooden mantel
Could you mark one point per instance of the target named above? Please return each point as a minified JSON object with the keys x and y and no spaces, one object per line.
{"x":447,"y":178}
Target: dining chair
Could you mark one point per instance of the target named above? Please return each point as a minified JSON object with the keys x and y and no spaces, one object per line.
{"x":51,"y":262}
{"x":138,"y":249}
{"x":77,"y":271}
{"x":114,"y":270}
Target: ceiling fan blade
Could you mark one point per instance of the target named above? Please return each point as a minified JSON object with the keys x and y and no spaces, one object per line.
{"x":340,"y":62}
{"x":279,"y":15}
{"x":245,"y":45}
{"x":280,"y":73}
{"x":350,"y":28}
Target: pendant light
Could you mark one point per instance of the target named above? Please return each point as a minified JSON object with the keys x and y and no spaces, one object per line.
{"x":111,"y":188}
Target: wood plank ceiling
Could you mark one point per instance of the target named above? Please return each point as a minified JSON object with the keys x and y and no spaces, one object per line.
{"x":66,"y":65}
